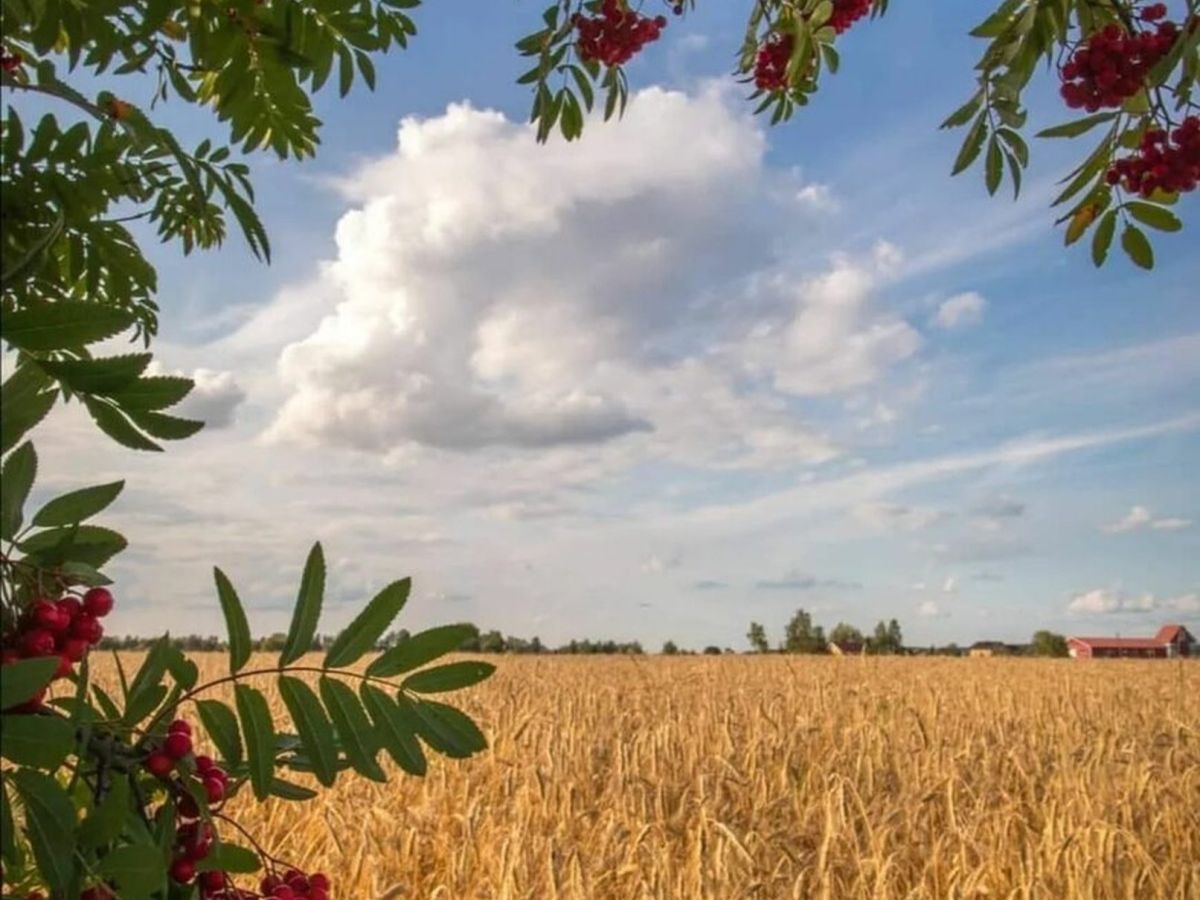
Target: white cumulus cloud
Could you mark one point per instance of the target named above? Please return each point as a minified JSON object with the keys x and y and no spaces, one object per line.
{"x":960,"y":311}
{"x":1105,"y":600}
{"x":491,"y":293}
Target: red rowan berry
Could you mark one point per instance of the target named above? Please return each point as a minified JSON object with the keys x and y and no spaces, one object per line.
{"x":183,"y":870}
{"x":38,"y":642}
{"x":159,"y":764}
{"x":177,"y":745}
{"x":98,"y":601}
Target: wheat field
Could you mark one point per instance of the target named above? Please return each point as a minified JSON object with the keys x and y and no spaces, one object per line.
{"x":788,"y":777}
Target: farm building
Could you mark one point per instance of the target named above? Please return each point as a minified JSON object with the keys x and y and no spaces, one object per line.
{"x":1169,"y":642}
{"x":993,"y":648}
{"x":847,"y":648}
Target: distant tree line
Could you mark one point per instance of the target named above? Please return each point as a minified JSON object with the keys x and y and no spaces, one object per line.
{"x":800,"y":636}
{"x":477,"y":642}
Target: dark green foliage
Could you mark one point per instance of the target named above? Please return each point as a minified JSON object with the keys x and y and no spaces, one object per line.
{"x":1048,"y":643}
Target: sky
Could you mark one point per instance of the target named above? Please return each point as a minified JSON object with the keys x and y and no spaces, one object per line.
{"x":688,"y":372}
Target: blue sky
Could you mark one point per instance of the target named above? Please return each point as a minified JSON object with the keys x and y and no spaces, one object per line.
{"x":683,"y":374}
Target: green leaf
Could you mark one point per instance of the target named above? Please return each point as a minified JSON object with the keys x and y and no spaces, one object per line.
{"x":235,"y":622}
{"x":39,"y":741}
{"x":137,"y":871}
{"x":153,"y":393}
{"x":183,"y":670}
{"x":1015,"y":143}
{"x":50,"y":825}
{"x":446,"y":729}
{"x":313,"y":727}
{"x":106,"y":820}
{"x":1136,"y":247}
{"x":1088,"y":172}
{"x":24,"y":678}
{"x":26,"y":397}
{"x":230,"y":858}
{"x":63,"y":326}
{"x":450,"y":677}
{"x":89,"y":544}
{"x":368,"y":626}
{"x":396,"y":727}
{"x":419,"y":649}
{"x":97,"y":376}
{"x":82,"y":573}
{"x":286,"y":790}
{"x":153,"y":668}
{"x":16,"y":480}
{"x":113,"y":423}
{"x":963,"y":114}
{"x":164,"y":427}
{"x":255,"y":715}
{"x":143,"y":703}
{"x":1077,"y":127}
{"x":77,"y":505}
{"x":584,"y":85}
{"x":357,"y":737}
{"x":995,"y":24}
{"x":1155,"y":216}
{"x":1102,"y":239}
{"x":972,"y":144}
{"x":308,"y":608}
{"x":105,"y":702}
{"x":994,"y":167}
{"x":221,"y":725}
{"x":1138,"y":104}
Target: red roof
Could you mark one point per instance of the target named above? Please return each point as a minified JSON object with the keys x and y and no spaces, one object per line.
{"x":1169,"y":634}
{"x":1112,"y":643}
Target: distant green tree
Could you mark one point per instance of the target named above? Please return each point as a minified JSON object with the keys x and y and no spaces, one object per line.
{"x":669,"y":648}
{"x":273,"y":643}
{"x":887,"y":638}
{"x":710,"y":650}
{"x":757,"y":636}
{"x":1048,"y":643}
{"x":845,"y":633}
{"x":801,"y":636}
{"x":492,"y":642}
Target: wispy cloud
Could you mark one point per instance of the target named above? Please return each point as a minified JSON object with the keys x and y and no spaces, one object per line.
{"x":799,"y":581}
{"x":1140,"y":517}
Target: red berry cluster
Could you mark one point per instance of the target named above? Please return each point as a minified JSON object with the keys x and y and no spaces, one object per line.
{"x":177,"y":746}
{"x":1153,"y":12}
{"x":770,"y":66}
{"x":9,"y":63}
{"x":65,"y":628}
{"x":1112,"y":65}
{"x":295,"y":885}
{"x":616,"y":35}
{"x":847,"y":12}
{"x":1166,"y":161}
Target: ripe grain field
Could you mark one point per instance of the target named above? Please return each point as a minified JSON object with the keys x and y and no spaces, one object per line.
{"x":765,"y":777}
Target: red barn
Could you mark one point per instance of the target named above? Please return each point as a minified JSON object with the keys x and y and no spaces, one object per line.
{"x":1171,"y":641}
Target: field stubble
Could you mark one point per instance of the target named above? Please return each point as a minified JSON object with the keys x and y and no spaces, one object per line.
{"x":777,"y":777}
